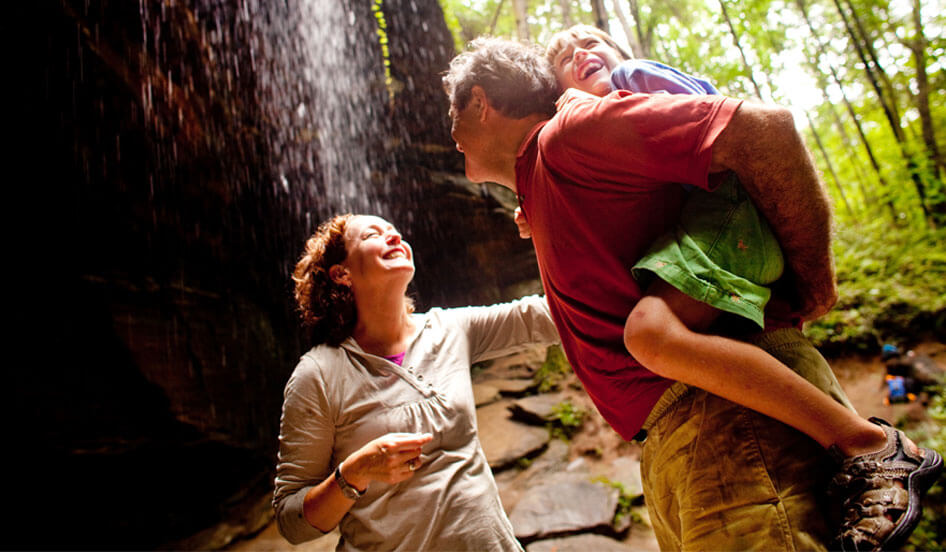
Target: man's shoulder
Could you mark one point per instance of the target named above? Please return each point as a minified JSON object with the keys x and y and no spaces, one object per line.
{"x":577,"y":110}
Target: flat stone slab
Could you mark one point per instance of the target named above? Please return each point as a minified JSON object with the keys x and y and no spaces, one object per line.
{"x":627,"y":472}
{"x":565,"y":505}
{"x":579,"y":543}
{"x":537,"y":409}
{"x":505,"y":440}
{"x":511,"y":386}
{"x":484,"y":394}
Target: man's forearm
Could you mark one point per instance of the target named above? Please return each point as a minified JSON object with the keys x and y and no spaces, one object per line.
{"x":762,"y":146}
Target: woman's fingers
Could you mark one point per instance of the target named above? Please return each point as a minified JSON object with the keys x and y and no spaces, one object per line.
{"x":396,"y":456}
{"x":394,"y":442}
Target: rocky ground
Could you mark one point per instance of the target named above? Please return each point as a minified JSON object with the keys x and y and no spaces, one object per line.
{"x":563,"y":494}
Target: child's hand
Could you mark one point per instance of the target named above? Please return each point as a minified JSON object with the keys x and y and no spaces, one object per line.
{"x":525,"y":231}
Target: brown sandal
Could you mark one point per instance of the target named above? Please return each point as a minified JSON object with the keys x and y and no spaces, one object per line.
{"x":878,"y":513}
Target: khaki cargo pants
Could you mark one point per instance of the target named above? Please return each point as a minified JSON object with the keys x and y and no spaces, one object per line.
{"x":718,"y":476}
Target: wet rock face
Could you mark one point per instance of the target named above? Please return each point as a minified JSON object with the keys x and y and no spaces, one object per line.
{"x":181,"y":155}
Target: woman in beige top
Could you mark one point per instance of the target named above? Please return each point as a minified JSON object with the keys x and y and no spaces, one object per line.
{"x":378,"y":432}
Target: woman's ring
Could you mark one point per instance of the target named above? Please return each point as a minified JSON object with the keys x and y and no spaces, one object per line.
{"x":412,"y":464}
{"x":384,"y":450}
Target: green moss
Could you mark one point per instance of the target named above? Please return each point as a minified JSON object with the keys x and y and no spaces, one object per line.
{"x":626,"y":501}
{"x":554,"y":369}
{"x":566,"y":420}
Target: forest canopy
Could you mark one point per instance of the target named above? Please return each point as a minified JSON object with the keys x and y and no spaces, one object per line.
{"x":866,"y":82}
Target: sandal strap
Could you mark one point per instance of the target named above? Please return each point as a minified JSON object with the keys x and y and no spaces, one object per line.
{"x":870,"y":496}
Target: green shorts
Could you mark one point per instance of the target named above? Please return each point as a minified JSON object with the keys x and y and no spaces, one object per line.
{"x":722,"y":253}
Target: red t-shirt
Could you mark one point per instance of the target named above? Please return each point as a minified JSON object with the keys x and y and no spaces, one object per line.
{"x":598,"y":183}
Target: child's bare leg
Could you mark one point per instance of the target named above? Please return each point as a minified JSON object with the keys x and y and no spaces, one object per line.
{"x":662,"y":334}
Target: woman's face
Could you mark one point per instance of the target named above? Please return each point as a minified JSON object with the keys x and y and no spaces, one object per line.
{"x":376,"y":252}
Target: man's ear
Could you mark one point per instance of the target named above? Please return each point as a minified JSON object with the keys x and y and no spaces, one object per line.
{"x":480,"y":101}
{"x":339,"y":274}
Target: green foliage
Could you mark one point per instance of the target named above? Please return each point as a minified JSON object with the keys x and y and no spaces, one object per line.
{"x":468,"y":19}
{"x":769,"y":44}
{"x":892,"y":287}
{"x":626,"y":502}
{"x":554,"y":369}
{"x":566,"y":420}
{"x":377,"y":9}
{"x":930,"y":534}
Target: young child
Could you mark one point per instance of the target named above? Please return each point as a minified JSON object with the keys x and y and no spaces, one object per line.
{"x":719,"y":259}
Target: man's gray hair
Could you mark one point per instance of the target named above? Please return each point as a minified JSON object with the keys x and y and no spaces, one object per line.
{"x":515,"y":76}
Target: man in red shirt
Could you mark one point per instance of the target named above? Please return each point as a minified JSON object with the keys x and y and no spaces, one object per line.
{"x":599,"y":181}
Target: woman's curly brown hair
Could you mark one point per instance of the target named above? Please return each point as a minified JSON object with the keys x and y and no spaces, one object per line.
{"x":327,"y":308}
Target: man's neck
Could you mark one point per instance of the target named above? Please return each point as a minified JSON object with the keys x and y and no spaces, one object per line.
{"x":510,"y":139}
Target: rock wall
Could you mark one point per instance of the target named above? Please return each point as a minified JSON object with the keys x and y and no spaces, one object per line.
{"x":178,"y":175}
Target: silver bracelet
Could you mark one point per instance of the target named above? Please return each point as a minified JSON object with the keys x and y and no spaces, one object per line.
{"x":347,"y":488}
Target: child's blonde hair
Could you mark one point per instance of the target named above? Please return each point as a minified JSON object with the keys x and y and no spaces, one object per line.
{"x":561,"y":39}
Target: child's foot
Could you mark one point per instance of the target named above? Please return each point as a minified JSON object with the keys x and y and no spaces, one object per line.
{"x":880,"y":492}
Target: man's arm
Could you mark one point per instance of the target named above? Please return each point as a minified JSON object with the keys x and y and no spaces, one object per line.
{"x":762,"y":147}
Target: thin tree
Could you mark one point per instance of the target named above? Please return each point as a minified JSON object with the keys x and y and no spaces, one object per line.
{"x":622,"y":18}
{"x":855,"y":119}
{"x":521,"y":10}
{"x":869,"y":200}
{"x":492,"y":24}
{"x":814,"y":130}
{"x":735,"y":38}
{"x":873,"y":72}
{"x":918,"y":46}
{"x":644,"y":33}
{"x":827,"y":160}
{"x":867,"y":41}
{"x":600,"y":15}
{"x":566,"y":6}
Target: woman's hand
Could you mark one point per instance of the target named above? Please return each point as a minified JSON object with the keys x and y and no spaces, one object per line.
{"x":391,"y":458}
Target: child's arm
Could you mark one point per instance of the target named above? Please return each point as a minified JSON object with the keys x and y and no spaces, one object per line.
{"x":663,"y":332}
{"x":651,"y":77}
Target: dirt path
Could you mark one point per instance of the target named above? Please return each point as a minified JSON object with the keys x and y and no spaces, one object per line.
{"x":862,"y":378}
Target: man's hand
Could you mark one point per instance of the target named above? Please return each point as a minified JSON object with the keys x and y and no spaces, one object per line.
{"x":812,"y":299}
{"x":525,"y":231}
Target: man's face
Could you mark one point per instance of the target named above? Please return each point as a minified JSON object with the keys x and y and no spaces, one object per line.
{"x":586,"y":64}
{"x":468,"y":133}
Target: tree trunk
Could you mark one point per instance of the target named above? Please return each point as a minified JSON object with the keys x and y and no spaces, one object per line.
{"x":868,"y":43}
{"x":847,"y":104}
{"x":601,"y":15}
{"x":521,"y":10}
{"x":873,"y":73}
{"x":922,"y":99}
{"x":492,"y":24}
{"x":566,"y":6}
{"x":644,"y":34}
{"x":827,"y":160}
{"x":869,"y":200}
{"x":619,"y":11}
